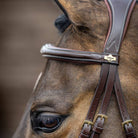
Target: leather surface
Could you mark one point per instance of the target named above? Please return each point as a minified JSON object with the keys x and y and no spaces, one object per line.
{"x":87,"y":57}
{"x":119,"y":10}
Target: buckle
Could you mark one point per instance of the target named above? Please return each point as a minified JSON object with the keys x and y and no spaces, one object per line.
{"x":110,"y":58}
{"x":88,"y":122}
{"x":92,"y":123}
{"x":102,"y":116}
{"x":126,"y":123}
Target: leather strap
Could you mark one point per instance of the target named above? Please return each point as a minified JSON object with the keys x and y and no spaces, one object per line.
{"x":127,"y":122}
{"x":99,"y":123}
{"x":88,"y":123}
{"x":86,"y":57}
{"x":115,"y":36}
{"x":119,"y":13}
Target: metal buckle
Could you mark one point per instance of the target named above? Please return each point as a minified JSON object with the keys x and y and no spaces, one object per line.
{"x":102,"y":117}
{"x":110,"y":58}
{"x":88,"y":122}
{"x":126,"y":123}
{"x":92,"y":123}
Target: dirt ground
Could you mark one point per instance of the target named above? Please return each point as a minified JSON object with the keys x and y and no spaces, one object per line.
{"x":25,"y":25}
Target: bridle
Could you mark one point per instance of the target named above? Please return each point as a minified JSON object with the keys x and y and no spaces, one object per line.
{"x":119,"y":13}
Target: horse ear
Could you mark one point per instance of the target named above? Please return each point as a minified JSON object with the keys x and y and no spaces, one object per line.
{"x":67,"y":7}
{"x":62,"y":23}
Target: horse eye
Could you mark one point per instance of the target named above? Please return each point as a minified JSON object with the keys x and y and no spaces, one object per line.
{"x":62,"y":23}
{"x":46,"y":123}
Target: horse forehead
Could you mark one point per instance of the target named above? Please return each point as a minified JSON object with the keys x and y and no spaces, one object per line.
{"x":80,"y":7}
{"x":85,"y":12}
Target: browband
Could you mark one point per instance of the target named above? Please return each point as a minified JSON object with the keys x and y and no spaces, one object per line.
{"x":86,"y":57}
{"x":119,"y":13}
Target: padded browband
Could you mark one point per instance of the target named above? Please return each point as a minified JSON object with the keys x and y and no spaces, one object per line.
{"x":87,"y":57}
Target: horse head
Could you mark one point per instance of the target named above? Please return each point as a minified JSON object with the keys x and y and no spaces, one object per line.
{"x":61,"y":99}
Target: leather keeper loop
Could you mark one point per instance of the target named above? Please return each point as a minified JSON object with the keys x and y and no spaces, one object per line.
{"x":98,"y":126}
{"x":129,"y":130}
{"x":83,"y":135}
{"x":86,"y":130}
{"x":97,"y":129}
{"x":131,"y":135}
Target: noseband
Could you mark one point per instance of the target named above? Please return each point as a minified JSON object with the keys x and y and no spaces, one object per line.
{"x":119,"y":13}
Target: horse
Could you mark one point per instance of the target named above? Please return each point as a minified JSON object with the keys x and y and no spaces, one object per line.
{"x":63,"y":92}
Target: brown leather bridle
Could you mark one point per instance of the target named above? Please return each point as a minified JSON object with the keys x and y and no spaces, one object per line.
{"x":119,"y":13}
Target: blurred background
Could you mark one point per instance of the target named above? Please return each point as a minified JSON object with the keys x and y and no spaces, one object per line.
{"x":25,"y":25}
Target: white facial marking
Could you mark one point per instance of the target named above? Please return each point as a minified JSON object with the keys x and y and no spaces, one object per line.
{"x":37,"y":81}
